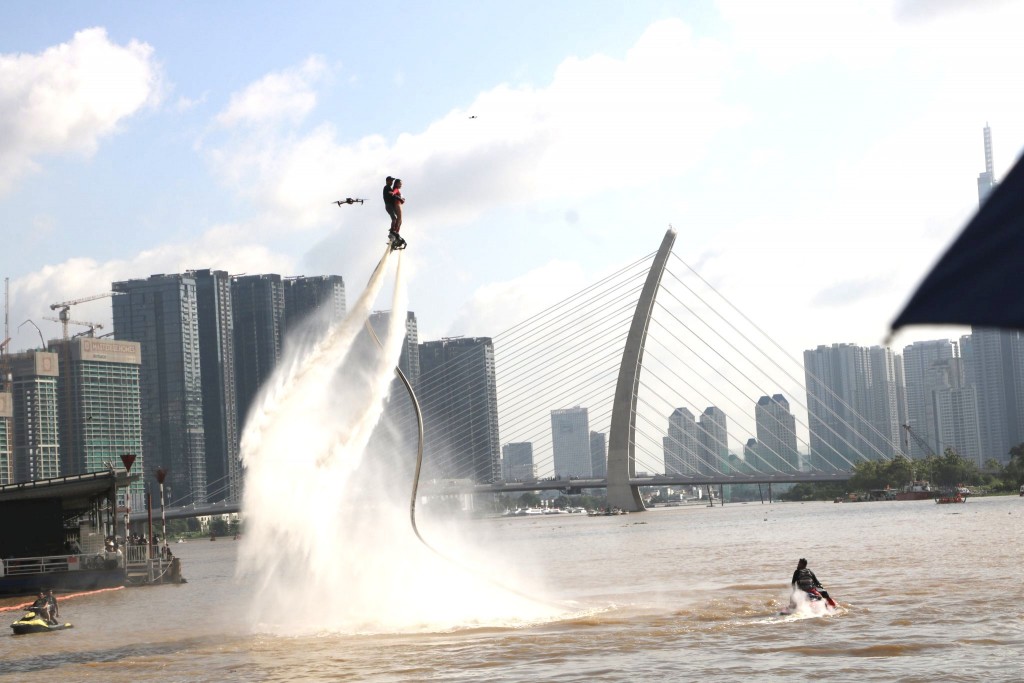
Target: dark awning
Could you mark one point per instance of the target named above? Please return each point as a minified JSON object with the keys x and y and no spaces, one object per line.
{"x":76,"y":491}
{"x":978,"y":279}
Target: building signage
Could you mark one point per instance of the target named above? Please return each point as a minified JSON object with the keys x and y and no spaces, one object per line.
{"x":46,"y":364}
{"x":107,"y":351}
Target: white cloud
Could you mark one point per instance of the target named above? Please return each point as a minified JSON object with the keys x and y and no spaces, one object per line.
{"x":495,"y":306}
{"x":68,"y":97}
{"x":223,"y":248}
{"x":601,"y":123}
{"x":785,"y":34}
{"x":284,"y":96}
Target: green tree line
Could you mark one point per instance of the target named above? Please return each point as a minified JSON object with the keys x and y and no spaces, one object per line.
{"x":944,"y":471}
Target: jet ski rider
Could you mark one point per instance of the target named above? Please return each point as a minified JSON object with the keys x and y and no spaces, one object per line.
{"x":42,"y":608}
{"x":805,"y":580}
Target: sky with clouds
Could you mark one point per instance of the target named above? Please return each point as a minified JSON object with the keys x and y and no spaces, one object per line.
{"x":816,"y":158}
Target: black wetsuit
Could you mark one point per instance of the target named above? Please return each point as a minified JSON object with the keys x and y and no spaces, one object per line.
{"x":389,"y":202}
{"x":42,"y":609}
{"x":805,"y":580}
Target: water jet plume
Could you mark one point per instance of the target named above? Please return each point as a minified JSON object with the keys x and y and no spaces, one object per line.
{"x":328,"y":543}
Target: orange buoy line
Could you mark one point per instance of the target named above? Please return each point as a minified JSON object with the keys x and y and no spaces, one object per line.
{"x":23,"y":605}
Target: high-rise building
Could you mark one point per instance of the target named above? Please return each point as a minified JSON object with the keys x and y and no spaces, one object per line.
{"x":752,"y":457}
{"x":987,"y":178}
{"x":714,"y":441}
{"x":776,"y":434}
{"x":35,"y":415}
{"x":102,"y":416}
{"x":258,"y":309}
{"x":570,"y":442}
{"x":409,"y":361}
{"x":883,"y":403}
{"x":517,"y":461}
{"x":215,"y":314}
{"x":6,"y":438}
{"x":682,"y":445}
{"x":599,"y":454}
{"x":458,"y":396}
{"x":161,"y":313}
{"x":955,"y":410}
{"x":852,"y":401}
{"x":918,"y":361}
{"x":901,"y":403}
{"x":399,"y":432}
{"x":304,"y":296}
{"x":994,"y":366}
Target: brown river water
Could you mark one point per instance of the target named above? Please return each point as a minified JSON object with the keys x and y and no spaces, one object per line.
{"x":927,"y":592}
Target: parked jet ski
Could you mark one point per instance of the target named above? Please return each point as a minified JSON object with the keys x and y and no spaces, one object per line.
{"x":33,"y":622}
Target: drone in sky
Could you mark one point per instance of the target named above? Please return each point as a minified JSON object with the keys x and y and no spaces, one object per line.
{"x":348,"y":200}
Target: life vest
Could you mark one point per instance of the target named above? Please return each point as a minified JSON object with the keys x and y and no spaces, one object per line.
{"x":804,"y":579}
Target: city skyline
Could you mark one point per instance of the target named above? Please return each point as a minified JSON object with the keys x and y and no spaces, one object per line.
{"x":160,"y":174}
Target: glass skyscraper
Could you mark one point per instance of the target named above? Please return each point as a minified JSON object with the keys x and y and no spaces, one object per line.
{"x":6,"y":438}
{"x":161,"y":313}
{"x":258,"y":310}
{"x":458,"y":396}
{"x":101,"y":415}
{"x":305,"y":296}
{"x":570,"y":442}
{"x":35,"y":415}
{"x":220,"y":399}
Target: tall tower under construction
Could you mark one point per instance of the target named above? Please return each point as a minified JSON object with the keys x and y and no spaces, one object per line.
{"x":986,"y":179}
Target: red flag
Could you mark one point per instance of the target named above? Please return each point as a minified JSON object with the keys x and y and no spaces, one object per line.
{"x":128,"y":459}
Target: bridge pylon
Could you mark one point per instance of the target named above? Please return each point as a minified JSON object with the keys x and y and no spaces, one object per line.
{"x":621,"y":437}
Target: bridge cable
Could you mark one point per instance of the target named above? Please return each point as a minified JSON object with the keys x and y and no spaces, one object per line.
{"x":770,"y":339}
{"x":796,"y":399}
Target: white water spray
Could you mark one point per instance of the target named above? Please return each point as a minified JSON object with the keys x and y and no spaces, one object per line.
{"x":328,"y":547}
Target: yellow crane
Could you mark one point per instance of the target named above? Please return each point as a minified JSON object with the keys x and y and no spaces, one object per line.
{"x":65,"y":318}
{"x":67,"y":321}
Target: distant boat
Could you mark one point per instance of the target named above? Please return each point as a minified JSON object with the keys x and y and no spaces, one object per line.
{"x":945,"y":500}
{"x":918,"y":490}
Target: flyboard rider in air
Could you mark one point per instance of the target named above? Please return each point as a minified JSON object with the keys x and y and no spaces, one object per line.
{"x":393,"y":202}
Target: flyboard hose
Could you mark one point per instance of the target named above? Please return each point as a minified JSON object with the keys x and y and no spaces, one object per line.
{"x":416,"y":484}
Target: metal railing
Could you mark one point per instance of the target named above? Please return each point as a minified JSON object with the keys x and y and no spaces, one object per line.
{"x":21,"y":566}
{"x":137,"y":554}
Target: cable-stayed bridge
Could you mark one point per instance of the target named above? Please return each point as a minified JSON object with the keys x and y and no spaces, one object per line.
{"x":648,"y":377}
{"x":680,"y":384}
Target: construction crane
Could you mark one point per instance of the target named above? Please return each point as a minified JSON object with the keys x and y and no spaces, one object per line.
{"x":5,"y":373}
{"x":65,"y":318}
{"x":68,"y":321}
{"x":922,"y":444}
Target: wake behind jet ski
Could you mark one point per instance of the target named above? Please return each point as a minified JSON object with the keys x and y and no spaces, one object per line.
{"x":809,"y":603}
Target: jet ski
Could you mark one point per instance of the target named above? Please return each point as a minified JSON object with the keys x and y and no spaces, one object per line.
{"x":33,"y":622}
{"x":814,"y":602}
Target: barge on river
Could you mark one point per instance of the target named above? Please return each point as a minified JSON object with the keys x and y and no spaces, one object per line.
{"x":60,"y":533}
